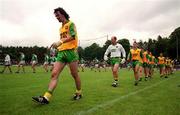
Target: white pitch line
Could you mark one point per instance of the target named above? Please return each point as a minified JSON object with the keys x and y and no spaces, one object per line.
{"x":111,"y":102}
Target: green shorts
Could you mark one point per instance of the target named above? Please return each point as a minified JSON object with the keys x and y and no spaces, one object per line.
{"x":145,"y":64}
{"x":161,"y":65}
{"x":115,"y":60}
{"x":150,"y":66}
{"x":135,"y":62}
{"x":67,"y":56}
{"x":167,"y":66}
{"x":141,"y":64}
{"x":153,"y":65}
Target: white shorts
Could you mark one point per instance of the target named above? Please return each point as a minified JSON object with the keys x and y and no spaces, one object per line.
{"x":82,"y":65}
{"x":34,"y":62}
{"x":7,"y":63}
{"x":46,"y":63}
{"x":22,"y":63}
{"x":52,"y":63}
{"x":96,"y":65}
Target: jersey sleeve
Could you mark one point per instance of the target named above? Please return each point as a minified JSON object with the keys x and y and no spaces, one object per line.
{"x":72,"y":30}
{"x":123,"y":51}
{"x":107,"y":51}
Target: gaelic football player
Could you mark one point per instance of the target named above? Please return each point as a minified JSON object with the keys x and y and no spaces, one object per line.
{"x":134,"y":56}
{"x":67,"y":54}
{"x":115,"y":50}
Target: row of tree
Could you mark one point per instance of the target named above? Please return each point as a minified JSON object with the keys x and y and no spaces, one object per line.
{"x":169,"y":46}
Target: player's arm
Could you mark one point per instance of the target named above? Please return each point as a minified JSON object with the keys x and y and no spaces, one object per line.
{"x":106,"y":53}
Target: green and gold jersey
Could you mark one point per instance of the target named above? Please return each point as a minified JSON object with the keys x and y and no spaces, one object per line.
{"x":136,"y":54}
{"x":66,"y":30}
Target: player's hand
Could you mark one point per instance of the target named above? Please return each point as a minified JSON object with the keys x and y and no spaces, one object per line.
{"x":123,"y":61}
{"x":56,"y":44}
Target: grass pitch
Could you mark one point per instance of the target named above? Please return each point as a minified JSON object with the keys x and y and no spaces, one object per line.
{"x":158,"y":96}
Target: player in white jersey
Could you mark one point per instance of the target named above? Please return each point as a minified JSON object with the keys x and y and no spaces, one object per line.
{"x":46,"y":62}
{"x":115,"y":50}
{"x":34,"y":61}
{"x":7,"y":63}
{"x":21,"y":63}
{"x":82,"y":64}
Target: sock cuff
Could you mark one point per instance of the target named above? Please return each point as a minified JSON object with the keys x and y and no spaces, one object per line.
{"x":78,"y":91}
{"x":47,"y":95}
{"x":115,"y":79}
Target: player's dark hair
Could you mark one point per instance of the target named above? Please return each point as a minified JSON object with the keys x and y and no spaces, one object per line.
{"x":63,"y":12}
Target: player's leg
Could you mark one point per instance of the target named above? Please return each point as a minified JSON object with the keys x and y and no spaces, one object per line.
{"x":115,"y":74}
{"x":9,"y":67}
{"x":152,"y":73}
{"x":18,"y":68}
{"x":82,"y":67}
{"x":72,"y":58}
{"x":98,"y":68}
{"x":23,"y":68}
{"x":160,"y":70}
{"x":140,"y":72}
{"x":166,"y":71}
{"x":58,"y":67}
{"x":74,"y":72}
{"x":136,"y":72}
{"x":33,"y":67}
{"x":104,"y":67}
{"x":45,"y":66}
{"x":95,"y":67}
{"x":163,"y":71}
{"x":145,"y":71}
{"x":150,"y":70}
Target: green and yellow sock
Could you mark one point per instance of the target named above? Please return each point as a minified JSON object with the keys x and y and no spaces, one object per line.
{"x":78,"y":91}
{"x":48,"y":95}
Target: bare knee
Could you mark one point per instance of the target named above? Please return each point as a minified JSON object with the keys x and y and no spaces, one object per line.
{"x":54,"y":75}
{"x":114,"y":72}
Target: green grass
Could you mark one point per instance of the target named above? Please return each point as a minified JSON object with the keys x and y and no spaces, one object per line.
{"x":154,"y":97}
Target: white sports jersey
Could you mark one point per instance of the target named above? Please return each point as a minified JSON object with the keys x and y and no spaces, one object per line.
{"x":22,"y":58}
{"x":115,"y":50}
{"x":7,"y":58}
